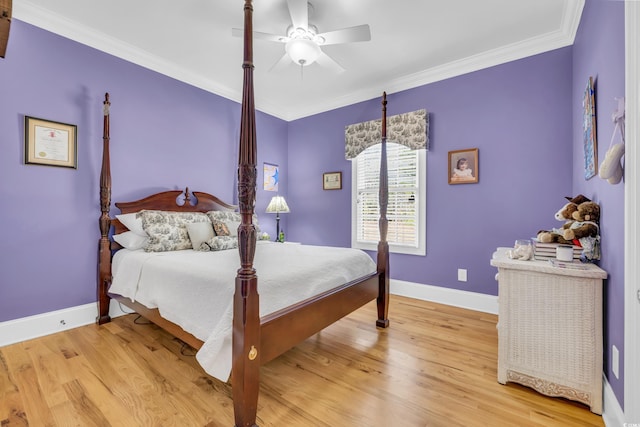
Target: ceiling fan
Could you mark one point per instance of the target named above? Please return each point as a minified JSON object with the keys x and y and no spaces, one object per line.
{"x":302,"y":41}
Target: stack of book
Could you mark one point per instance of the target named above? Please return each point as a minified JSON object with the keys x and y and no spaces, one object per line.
{"x":546,"y":251}
{"x":570,"y":265}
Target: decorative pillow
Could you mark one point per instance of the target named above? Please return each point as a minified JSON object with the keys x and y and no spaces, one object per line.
{"x":168,"y":230}
{"x":219,"y":243}
{"x":131,"y":240}
{"x":232,"y":220}
{"x":233,"y":227}
{"x":199,"y":232}
{"x":221,"y":228}
{"x":133,"y":222}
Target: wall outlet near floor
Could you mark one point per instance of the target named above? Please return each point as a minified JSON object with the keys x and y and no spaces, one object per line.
{"x":615,"y":360}
{"x":462,"y":275}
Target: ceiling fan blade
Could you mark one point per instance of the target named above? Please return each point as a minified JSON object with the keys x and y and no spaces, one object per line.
{"x":283,"y":62}
{"x":360,"y":33}
{"x":299,"y":12}
{"x":326,"y":61}
{"x":238,"y":32}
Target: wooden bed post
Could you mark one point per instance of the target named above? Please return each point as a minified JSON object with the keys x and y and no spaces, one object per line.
{"x":383,"y":245}
{"x":104,"y":247}
{"x":245,"y":373}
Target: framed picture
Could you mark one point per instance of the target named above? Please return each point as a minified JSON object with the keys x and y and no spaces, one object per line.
{"x":271,"y":177}
{"x":332,"y":181}
{"x":589,"y":130}
{"x":50,"y":143}
{"x":463,"y":166}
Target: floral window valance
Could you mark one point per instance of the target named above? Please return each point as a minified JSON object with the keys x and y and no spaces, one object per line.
{"x":408,"y":129}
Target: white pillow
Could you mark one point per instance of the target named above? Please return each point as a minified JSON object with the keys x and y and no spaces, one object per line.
{"x":133,"y":222}
{"x":233,"y":228}
{"x":130,"y":240}
{"x":199,"y":232}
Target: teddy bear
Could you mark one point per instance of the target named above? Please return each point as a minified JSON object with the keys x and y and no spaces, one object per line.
{"x":556,"y":235}
{"x":585,"y":230}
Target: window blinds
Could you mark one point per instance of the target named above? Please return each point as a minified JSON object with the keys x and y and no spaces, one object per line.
{"x":403,"y":194}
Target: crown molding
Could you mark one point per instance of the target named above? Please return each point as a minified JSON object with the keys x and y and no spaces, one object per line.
{"x":57,"y":24}
{"x":565,"y":36}
{"x":39,"y":17}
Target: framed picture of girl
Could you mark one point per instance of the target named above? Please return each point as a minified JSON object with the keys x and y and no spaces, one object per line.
{"x":463,"y":166}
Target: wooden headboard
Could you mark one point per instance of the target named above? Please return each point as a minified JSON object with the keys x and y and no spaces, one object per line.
{"x":172,"y":201}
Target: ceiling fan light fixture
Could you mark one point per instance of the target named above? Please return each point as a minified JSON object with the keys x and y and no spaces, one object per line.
{"x":303,"y":51}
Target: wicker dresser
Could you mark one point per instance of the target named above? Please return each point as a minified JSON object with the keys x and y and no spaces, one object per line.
{"x":550,"y":328}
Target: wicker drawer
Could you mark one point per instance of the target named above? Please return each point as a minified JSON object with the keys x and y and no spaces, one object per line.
{"x":550,"y":329}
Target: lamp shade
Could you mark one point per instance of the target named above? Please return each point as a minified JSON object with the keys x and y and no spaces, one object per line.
{"x":277,"y":205}
{"x":302,"y":51}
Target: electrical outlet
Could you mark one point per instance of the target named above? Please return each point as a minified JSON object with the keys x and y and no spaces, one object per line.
{"x":615,"y":360}
{"x":462,"y":275}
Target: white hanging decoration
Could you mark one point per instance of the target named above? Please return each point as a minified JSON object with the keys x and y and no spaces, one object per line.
{"x":611,"y":166}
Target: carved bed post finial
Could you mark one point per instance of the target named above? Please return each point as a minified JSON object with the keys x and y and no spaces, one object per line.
{"x":187,"y":198}
{"x":246,"y":308}
{"x":383,"y":224}
{"x":104,"y":247}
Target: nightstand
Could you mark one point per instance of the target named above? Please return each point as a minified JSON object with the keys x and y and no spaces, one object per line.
{"x":550,"y":328}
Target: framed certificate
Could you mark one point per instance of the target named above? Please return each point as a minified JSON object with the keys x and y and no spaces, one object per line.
{"x":332,"y":181}
{"x":50,"y":143}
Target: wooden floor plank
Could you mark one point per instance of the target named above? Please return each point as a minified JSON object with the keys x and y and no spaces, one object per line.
{"x":434,"y":366}
{"x":35,"y":409}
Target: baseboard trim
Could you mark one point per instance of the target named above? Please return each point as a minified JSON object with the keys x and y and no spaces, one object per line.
{"x":454,"y":297}
{"x":39,"y":325}
{"x":27,"y":328}
{"x":612,"y":413}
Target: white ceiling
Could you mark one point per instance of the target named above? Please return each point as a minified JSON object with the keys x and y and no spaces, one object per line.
{"x":413,"y":42}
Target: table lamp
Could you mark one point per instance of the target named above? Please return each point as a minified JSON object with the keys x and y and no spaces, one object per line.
{"x":277,"y":205}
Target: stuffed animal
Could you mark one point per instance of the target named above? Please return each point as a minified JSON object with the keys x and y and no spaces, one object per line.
{"x":586,"y":230}
{"x":556,"y":235}
{"x":521,"y":250}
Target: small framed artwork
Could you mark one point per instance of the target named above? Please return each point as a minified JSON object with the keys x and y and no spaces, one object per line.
{"x":50,"y":143}
{"x":589,"y":130}
{"x":463,"y":166}
{"x":271,"y":177}
{"x":332,"y":181}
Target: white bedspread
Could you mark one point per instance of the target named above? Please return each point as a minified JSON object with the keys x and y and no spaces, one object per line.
{"x":195,"y":289}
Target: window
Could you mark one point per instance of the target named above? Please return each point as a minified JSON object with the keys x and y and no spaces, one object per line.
{"x":406,"y":210}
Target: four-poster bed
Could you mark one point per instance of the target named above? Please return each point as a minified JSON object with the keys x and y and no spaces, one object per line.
{"x":257,"y":335}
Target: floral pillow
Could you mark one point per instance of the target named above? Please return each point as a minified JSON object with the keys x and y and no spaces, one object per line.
{"x":231,"y":220}
{"x":168,"y":230}
{"x":219,"y":243}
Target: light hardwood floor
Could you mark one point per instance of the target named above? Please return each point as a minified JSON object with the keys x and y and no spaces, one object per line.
{"x":434,"y":366}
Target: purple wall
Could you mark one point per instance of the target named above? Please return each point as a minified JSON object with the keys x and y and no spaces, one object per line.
{"x":164,"y":135}
{"x":598,"y":51}
{"x":525,"y":118}
{"x":517,"y":114}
